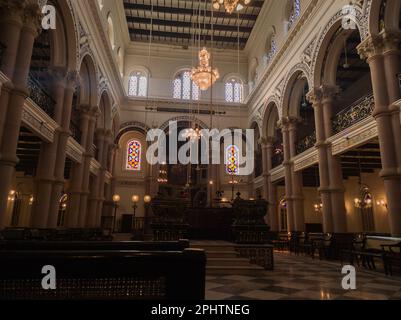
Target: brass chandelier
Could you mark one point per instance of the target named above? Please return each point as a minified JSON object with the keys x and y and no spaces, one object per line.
{"x":204,"y":75}
{"x":231,"y":5}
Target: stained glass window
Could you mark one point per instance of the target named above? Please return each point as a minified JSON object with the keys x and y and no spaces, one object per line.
{"x":138,"y":84}
{"x":184,"y":88}
{"x":134,"y":150}
{"x":272,"y":51}
{"x":294,"y":13}
{"x":232,"y":160}
{"x":234,"y":90}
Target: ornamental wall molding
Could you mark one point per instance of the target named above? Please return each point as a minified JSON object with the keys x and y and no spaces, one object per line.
{"x":360,"y":22}
{"x":95,"y":167}
{"x":306,"y":159}
{"x":74,"y":150}
{"x":354,"y":136}
{"x":253,"y":95}
{"x":277,"y":173}
{"x":299,"y":67}
{"x":38,"y":121}
{"x":191,"y":119}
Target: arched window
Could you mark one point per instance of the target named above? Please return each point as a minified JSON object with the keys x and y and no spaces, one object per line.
{"x":134,"y":150}
{"x":234,"y":90}
{"x":294,"y":13}
{"x":110,"y":31}
{"x":138,"y":84}
{"x":232,"y":160}
{"x":184,"y":88}
{"x":272,"y":50}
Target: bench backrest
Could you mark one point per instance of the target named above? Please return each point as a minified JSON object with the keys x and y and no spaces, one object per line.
{"x":377,"y":242}
{"x":104,"y":275}
{"x":95,"y":245}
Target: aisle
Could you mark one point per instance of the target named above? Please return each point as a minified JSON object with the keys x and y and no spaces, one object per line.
{"x":302,"y":278}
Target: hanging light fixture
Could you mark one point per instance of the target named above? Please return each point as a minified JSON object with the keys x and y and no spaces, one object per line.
{"x":203,"y":75}
{"x":230,"y":5}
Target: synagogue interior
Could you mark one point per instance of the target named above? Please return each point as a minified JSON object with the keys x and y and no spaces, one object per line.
{"x":251,"y":148}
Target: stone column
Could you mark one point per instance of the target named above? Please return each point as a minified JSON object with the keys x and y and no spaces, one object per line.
{"x":297,"y":183}
{"x":63,"y":136}
{"x":27,"y":13}
{"x":77,"y":172}
{"x":373,"y":49}
{"x":288,"y":175}
{"x":45,"y":178}
{"x":334,"y":163}
{"x":269,"y":189}
{"x":315,"y":97}
{"x":83,"y":208}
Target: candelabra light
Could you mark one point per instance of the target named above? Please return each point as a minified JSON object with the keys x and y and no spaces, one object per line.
{"x":203,"y":75}
{"x":230,"y":5}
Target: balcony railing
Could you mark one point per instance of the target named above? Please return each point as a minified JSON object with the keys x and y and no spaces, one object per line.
{"x":75,"y":131}
{"x":39,"y":95}
{"x":358,"y":111}
{"x":306,"y":143}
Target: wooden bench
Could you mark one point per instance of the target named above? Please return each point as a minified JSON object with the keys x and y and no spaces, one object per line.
{"x":104,"y":275}
{"x":370,"y":248}
{"x":391,"y":257}
{"x":95,"y":245}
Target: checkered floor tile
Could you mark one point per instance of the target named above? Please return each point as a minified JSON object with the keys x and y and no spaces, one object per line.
{"x":301,"y":278}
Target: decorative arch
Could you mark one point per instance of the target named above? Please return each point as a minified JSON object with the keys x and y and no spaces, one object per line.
{"x":104,"y":120}
{"x":131,"y":126}
{"x":88,"y":81}
{"x":192,"y":119}
{"x":297,"y":72}
{"x":64,"y":38}
{"x":270,"y":116}
{"x":325,"y":37}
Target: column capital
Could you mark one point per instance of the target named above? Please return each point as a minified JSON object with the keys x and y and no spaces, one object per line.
{"x":33,"y":15}
{"x":72,"y":79}
{"x":377,"y":45}
{"x":266,"y":141}
{"x":325,"y":92}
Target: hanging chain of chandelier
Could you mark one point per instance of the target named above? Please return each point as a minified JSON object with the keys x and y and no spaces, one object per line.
{"x":204,"y":75}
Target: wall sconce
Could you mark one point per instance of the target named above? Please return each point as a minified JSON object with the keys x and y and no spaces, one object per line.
{"x":382,"y":203}
{"x":11,"y":195}
{"x":31,"y":200}
{"x":211,"y":182}
{"x":318,"y":207}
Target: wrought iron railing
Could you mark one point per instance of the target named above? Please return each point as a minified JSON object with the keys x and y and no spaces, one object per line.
{"x":39,"y":95}
{"x":306,"y":143}
{"x":75,"y":131}
{"x":358,"y":111}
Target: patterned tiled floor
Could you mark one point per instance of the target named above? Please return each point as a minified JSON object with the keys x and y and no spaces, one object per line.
{"x":302,"y":278}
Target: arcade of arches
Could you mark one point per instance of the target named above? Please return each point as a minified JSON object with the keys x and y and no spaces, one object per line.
{"x":320,"y":86}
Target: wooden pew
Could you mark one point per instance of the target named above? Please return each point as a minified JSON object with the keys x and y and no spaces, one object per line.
{"x":104,"y":275}
{"x":94,"y":245}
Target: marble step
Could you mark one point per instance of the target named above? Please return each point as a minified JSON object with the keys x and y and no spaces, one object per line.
{"x":249,"y":270}
{"x":227,"y":262}
{"x":222,"y":254}
{"x":214,"y":247}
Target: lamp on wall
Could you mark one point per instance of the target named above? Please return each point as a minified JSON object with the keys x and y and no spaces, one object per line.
{"x":382,"y":203}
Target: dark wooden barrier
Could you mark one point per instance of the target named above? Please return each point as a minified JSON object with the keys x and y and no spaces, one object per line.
{"x":77,"y":234}
{"x":95,"y":245}
{"x":104,"y":275}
